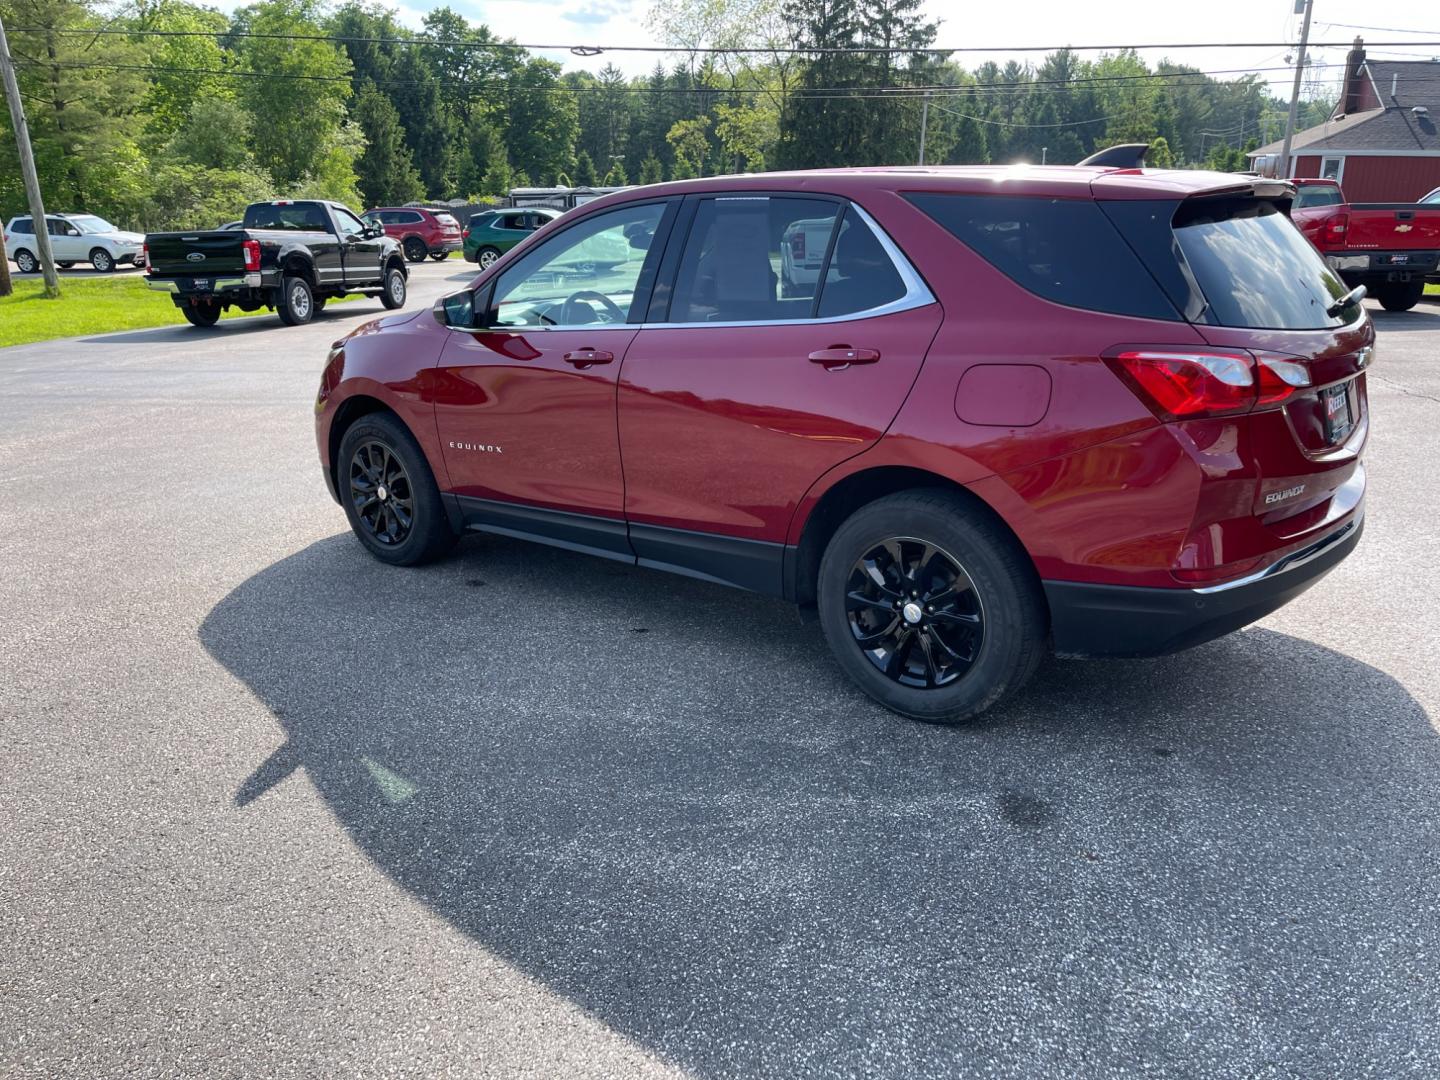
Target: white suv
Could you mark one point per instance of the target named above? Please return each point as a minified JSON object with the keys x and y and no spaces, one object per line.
{"x":74,"y":238}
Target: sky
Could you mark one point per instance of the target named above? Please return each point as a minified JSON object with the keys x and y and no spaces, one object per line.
{"x":1029,"y":23}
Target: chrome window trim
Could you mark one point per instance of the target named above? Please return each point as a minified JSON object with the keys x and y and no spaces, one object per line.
{"x":917,"y":293}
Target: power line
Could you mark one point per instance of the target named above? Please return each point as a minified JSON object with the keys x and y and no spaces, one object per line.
{"x":798,"y":50}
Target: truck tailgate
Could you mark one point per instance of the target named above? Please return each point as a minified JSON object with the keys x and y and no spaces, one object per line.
{"x":1393,"y":227}
{"x":196,"y":252}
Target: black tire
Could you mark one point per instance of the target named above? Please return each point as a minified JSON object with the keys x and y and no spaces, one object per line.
{"x":994,"y":627}
{"x":379,"y":521}
{"x":102,"y":261}
{"x":64,"y":265}
{"x":1401,"y":296}
{"x":415,"y":249}
{"x":486,"y":256}
{"x":207,"y":314}
{"x":439,"y":256}
{"x":296,"y":303}
{"x":25,"y":262}
{"x":319,"y":304}
{"x":394,"y":292}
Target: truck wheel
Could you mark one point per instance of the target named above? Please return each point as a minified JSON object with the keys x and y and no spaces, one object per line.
{"x":1401,"y":296}
{"x":25,"y":262}
{"x":930,"y":606}
{"x":393,"y":295}
{"x":296,"y":303}
{"x":415,"y":249}
{"x":389,"y":492}
{"x":102,"y":261}
{"x":486,"y":257}
{"x":206,"y":314}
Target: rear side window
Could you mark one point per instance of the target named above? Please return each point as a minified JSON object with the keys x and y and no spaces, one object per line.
{"x":23,"y":225}
{"x":1065,"y":250}
{"x":300,"y":216}
{"x":1254,"y":267}
{"x":753,"y":258}
{"x":861,"y":275}
{"x":1317,"y":195}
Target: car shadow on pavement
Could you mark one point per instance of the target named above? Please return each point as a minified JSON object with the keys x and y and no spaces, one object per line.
{"x":659,"y":798}
{"x":245,"y":324}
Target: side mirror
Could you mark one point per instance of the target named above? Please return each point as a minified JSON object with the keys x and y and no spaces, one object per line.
{"x":70,"y":230}
{"x":373,"y":232}
{"x":456,"y":310}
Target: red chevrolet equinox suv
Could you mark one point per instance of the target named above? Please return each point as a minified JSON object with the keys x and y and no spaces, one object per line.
{"x":962,"y":415}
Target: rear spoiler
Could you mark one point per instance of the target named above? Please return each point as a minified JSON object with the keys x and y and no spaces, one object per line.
{"x":1119,"y":156}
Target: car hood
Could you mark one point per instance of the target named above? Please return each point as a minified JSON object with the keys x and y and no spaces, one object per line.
{"x":122,"y":237}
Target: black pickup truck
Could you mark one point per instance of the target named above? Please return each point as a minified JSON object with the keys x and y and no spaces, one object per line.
{"x":289,"y":255}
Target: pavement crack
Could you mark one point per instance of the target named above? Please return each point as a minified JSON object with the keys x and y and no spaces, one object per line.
{"x":1405,"y":389}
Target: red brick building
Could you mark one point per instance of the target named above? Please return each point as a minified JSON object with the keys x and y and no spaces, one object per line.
{"x":1381,"y":143}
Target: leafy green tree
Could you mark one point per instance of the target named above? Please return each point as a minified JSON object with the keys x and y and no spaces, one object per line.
{"x":651,"y":170}
{"x":1159,"y":155}
{"x":543,"y":121}
{"x":616,"y":176}
{"x":690,"y":145}
{"x":385,"y":171}
{"x":415,"y":94}
{"x":298,"y":120}
{"x":746,"y":133}
{"x":184,"y":195}
{"x":215,"y":133}
{"x":182,"y":70}
{"x":584,"y":170}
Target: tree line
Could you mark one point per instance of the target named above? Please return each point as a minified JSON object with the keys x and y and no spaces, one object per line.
{"x":172,"y":114}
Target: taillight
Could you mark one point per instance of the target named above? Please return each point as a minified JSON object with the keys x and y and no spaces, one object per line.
{"x":465,"y":235}
{"x":1184,"y":385}
{"x":1336,"y":228}
{"x":251,"y":250}
{"x":797,"y":246}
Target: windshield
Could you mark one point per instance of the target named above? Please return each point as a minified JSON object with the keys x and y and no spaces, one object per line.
{"x":1255,"y":269}
{"x":92,"y":224}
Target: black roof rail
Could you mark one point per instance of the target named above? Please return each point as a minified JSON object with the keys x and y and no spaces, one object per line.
{"x":1119,"y":156}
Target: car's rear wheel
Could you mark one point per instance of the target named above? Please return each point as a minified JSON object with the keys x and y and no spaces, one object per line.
{"x":102,"y":260}
{"x":415,"y":249}
{"x":486,"y":257}
{"x":389,"y":492}
{"x":930,"y":606}
{"x":393,"y":295}
{"x":25,"y":262}
{"x":65,"y":265}
{"x":296,"y":305}
{"x":1401,"y":296}
{"x":206,"y":314}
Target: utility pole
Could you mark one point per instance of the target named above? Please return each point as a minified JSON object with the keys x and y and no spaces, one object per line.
{"x":27,"y":167}
{"x":924,"y":123}
{"x":1295,"y":91}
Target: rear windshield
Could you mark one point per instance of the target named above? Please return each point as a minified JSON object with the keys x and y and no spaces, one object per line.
{"x":302,"y":216}
{"x":1254,"y":268}
{"x":1065,"y":250}
{"x":1318,"y":195}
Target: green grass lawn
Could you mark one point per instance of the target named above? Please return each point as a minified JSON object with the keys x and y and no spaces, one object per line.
{"x":1432,"y":290}
{"x":98,"y":305}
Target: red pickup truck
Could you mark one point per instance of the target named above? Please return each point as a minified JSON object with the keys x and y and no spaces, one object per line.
{"x":1390,"y":248}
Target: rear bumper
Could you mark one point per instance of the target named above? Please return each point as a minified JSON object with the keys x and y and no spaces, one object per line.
{"x":1378,"y":267}
{"x":447,"y":246}
{"x":182,"y":287}
{"x":1126,"y":621}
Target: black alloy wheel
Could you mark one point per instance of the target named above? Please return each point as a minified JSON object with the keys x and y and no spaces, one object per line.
{"x":915,"y":613}
{"x":415,"y":249}
{"x":381,"y":493}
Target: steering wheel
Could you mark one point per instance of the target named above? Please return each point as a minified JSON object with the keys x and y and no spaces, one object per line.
{"x":567,"y":308}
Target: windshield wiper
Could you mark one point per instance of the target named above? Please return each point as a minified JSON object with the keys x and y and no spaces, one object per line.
{"x":1354,"y":296}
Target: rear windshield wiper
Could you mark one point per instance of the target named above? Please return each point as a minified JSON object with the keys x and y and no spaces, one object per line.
{"x":1354,"y":296}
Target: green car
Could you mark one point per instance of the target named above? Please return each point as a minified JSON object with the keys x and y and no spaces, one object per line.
{"x":491,"y":234}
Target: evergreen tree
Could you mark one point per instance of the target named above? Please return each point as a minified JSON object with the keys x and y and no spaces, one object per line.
{"x":651,"y":170}
{"x":415,"y":93}
{"x":386,"y":173}
{"x":585,"y":170}
{"x":616,"y":176}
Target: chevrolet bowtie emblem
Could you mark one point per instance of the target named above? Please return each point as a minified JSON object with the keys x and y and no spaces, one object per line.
{"x":1403,"y":228}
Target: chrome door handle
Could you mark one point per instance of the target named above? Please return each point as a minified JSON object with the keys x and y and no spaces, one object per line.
{"x":839,"y":357}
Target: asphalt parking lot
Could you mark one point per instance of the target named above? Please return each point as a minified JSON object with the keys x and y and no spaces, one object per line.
{"x":270,"y":808}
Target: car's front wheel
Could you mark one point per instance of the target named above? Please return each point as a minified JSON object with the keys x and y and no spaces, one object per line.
{"x":389,"y":492}
{"x":102,"y":260}
{"x":930,"y":606}
{"x":206,"y":314}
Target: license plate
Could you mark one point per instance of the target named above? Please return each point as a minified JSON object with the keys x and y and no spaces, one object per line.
{"x":1398,"y":259}
{"x":200,"y":284}
{"x":1338,"y":420}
